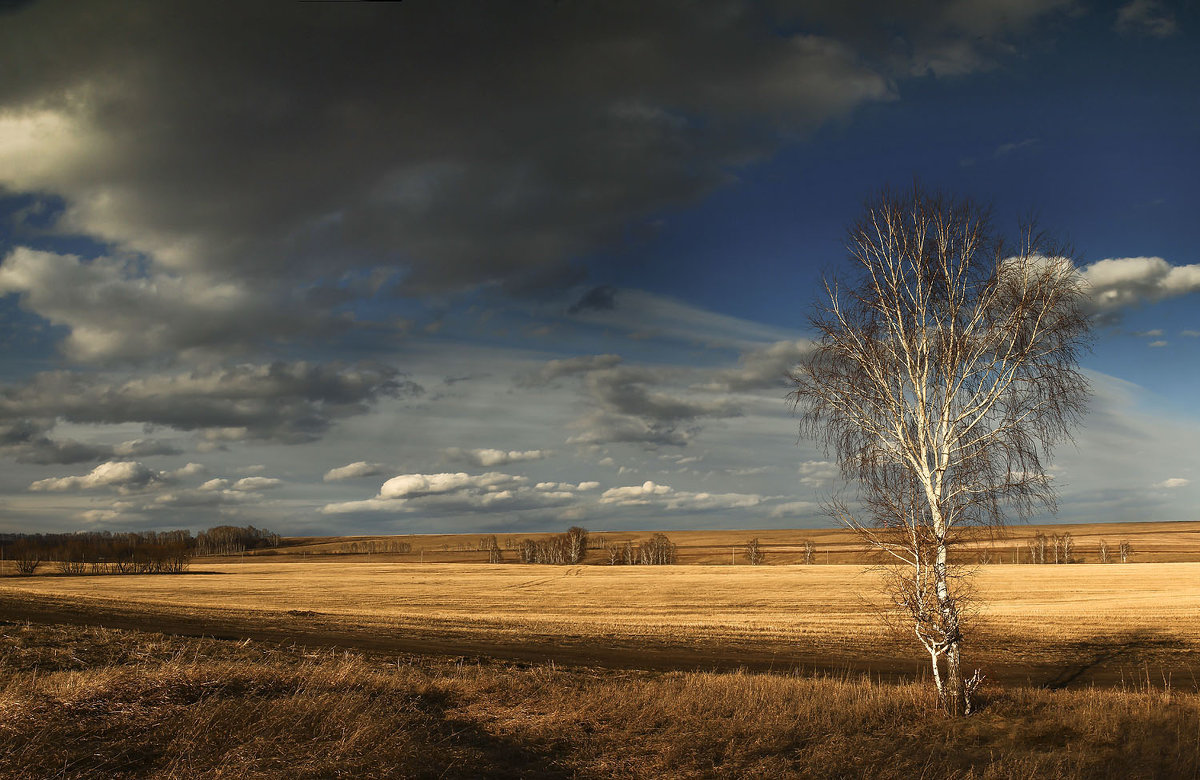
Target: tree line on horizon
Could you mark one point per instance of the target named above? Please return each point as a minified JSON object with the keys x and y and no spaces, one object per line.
{"x":129,"y":552}
{"x":572,"y":546}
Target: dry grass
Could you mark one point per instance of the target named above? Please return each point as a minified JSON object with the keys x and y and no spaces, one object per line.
{"x":78,"y":703}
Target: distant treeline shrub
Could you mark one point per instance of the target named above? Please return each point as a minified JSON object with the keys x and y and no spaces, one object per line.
{"x":132,"y":552}
{"x":368,"y":546}
{"x":101,"y":552}
{"x":658,"y":550}
{"x":233,"y":540}
{"x":564,"y":549}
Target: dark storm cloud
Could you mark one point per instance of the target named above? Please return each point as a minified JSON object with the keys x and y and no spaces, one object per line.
{"x":241,"y":164}
{"x":625,"y":409}
{"x":930,"y":36}
{"x":764,"y":368}
{"x":625,"y":403}
{"x":466,"y":143}
{"x":603,"y":298}
{"x":12,"y":5}
{"x":281,"y":402}
{"x":566,"y":367}
{"x":1146,"y":17}
{"x":624,"y":391}
{"x":116,"y":311}
{"x":28,"y":441}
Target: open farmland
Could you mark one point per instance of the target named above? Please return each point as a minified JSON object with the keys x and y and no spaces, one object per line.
{"x":1049,"y":625}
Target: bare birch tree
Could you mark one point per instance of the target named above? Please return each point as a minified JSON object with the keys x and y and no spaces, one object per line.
{"x":944,"y":372}
{"x":1068,"y":548}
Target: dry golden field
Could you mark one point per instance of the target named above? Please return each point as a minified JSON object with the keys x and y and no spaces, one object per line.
{"x":1050,"y":625}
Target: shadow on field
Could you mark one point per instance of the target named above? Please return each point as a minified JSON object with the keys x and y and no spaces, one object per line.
{"x":1115,"y":655}
{"x":476,"y":752}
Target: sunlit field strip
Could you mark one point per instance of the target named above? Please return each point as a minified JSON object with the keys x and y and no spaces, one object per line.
{"x":837,"y":603}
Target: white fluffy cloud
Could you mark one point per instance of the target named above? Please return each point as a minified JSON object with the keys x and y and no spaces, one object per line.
{"x":198,"y":498}
{"x":488,"y":458}
{"x":817,"y":473}
{"x":566,"y":486}
{"x":1121,"y":282}
{"x":249,"y":484}
{"x":635,"y":493}
{"x":1173,"y":482}
{"x":414,"y":485}
{"x":451,"y":491}
{"x":189,"y":470}
{"x":354,"y":470}
{"x":123,"y":475}
{"x":650,"y":493}
{"x":127,"y":476}
{"x":794,"y":510}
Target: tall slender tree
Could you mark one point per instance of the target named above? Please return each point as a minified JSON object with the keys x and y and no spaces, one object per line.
{"x":945,"y":370}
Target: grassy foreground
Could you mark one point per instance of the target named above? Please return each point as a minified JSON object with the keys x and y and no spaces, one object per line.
{"x":94,"y":702}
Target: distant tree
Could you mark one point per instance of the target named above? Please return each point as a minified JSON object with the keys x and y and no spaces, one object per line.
{"x":944,"y":372}
{"x":1037,"y":548}
{"x":754,"y":553}
{"x":810,"y":551}
{"x":576,"y":544}
{"x":28,"y":557}
{"x":658,"y":550}
{"x":1068,"y":548}
{"x":1103,"y":551}
{"x":1125,"y":550}
{"x":233,"y":540}
{"x":494,"y":553}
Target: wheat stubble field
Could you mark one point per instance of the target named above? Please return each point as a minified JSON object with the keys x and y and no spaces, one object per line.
{"x":1046,"y":625}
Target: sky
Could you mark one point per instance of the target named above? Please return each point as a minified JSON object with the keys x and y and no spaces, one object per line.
{"x":360,"y":268}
